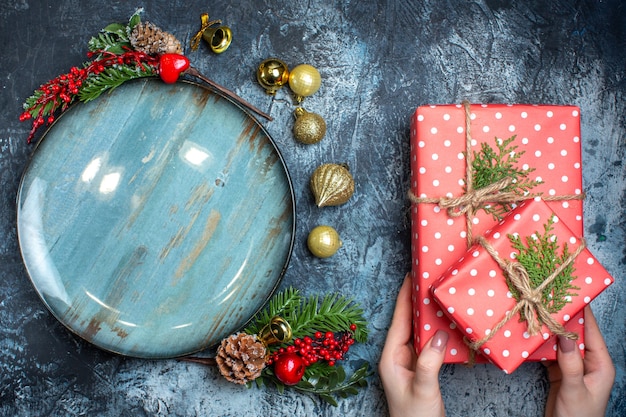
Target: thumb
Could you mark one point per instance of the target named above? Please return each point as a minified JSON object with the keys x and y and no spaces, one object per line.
{"x":429,"y":362}
{"x":571,"y":365}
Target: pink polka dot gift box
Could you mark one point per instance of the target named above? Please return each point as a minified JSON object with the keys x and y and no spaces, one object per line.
{"x":519,"y":284}
{"x":538,"y":145}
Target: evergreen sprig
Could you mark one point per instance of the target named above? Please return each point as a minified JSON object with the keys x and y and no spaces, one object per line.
{"x":334,"y":313}
{"x":111,"y":78}
{"x":539,"y":255}
{"x":491,"y":165}
{"x":306,"y":316}
{"x":114,"y":38}
{"x":281,"y":304}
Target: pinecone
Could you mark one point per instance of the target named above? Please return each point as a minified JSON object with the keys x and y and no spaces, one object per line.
{"x":152,"y":40}
{"x":241,"y":358}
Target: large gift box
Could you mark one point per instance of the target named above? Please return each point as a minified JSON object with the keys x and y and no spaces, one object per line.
{"x":541,"y":140}
{"x":519,"y":284}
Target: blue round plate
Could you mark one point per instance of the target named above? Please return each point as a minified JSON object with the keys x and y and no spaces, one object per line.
{"x":156,"y":220}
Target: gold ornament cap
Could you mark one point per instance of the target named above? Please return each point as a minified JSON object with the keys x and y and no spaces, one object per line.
{"x":332,"y":185}
{"x":309,"y":127}
{"x":272,"y":74}
{"x":324,"y":241}
{"x":304,"y":80}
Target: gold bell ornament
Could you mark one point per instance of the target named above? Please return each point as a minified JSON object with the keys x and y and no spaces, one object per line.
{"x":323,"y":241}
{"x":309,"y":127}
{"x":219,"y":38}
{"x":332,"y":185}
{"x":277,"y":330}
{"x":272,"y":74}
{"x":304,"y":80}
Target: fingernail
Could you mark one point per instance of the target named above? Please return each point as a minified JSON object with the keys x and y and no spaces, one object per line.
{"x":566,"y":345}
{"x":439,"y":341}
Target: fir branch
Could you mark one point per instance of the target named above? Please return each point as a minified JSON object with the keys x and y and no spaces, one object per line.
{"x":539,"y":255}
{"x":335,"y":313}
{"x":491,"y":165}
{"x":282,"y":304}
{"x":111,"y":78}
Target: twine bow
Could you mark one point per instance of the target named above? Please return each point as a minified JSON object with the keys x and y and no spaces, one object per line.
{"x":530,"y":304}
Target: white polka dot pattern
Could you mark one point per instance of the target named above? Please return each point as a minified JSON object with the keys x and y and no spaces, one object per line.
{"x":474,"y":309}
{"x":438,"y":169}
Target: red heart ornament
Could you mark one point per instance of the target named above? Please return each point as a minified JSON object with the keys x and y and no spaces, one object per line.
{"x":171,"y":66}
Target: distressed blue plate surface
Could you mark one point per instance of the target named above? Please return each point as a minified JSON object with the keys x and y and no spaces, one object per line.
{"x":156,"y":220}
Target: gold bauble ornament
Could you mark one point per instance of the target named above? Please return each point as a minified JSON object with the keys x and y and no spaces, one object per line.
{"x":332,"y":185}
{"x":272,"y":74}
{"x":304,"y":80}
{"x":323,"y":241}
{"x":309,"y":127}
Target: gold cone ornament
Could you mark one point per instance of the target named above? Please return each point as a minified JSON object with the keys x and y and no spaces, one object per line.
{"x":149,"y":38}
{"x":332,"y":185}
{"x":309,"y":127}
{"x":324,"y":241}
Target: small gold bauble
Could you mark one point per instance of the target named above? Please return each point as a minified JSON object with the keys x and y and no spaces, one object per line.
{"x":323,"y":241}
{"x":304,"y":80}
{"x":309,"y":128}
{"x":332,"y":185}
{"x":272,"y":74}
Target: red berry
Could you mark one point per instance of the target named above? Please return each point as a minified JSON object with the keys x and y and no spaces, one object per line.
{"x":353,"y":327}
{"x":318,"y":335}
{"x":171,"y":66}
{"x":289,"y":368}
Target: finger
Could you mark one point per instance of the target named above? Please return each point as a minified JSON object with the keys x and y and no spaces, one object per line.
{"x":398,"y":352}
{"x":400,"y":329}
{"x":597,"y":358}
{"x":593,"y":337}
{"x":571,"y":366}
{"x":429,"y":363}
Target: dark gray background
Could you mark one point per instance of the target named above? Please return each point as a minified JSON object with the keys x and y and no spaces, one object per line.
{"x":379,"y":60}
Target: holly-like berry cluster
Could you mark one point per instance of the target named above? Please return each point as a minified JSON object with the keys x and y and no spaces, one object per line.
{"x":59,"y":92}
{"x":290,"y":362}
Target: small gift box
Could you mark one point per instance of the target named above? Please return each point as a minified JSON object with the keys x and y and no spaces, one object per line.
{"x":450,"y":207}
{"x":519,"y":284}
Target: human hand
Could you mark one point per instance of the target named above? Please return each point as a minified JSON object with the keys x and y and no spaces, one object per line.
{"x":411,"y":383}
{"x":581,"y":387}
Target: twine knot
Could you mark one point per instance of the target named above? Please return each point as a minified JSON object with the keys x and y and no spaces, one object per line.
{"x":530,"y":304}
{"x":473,"y":200}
